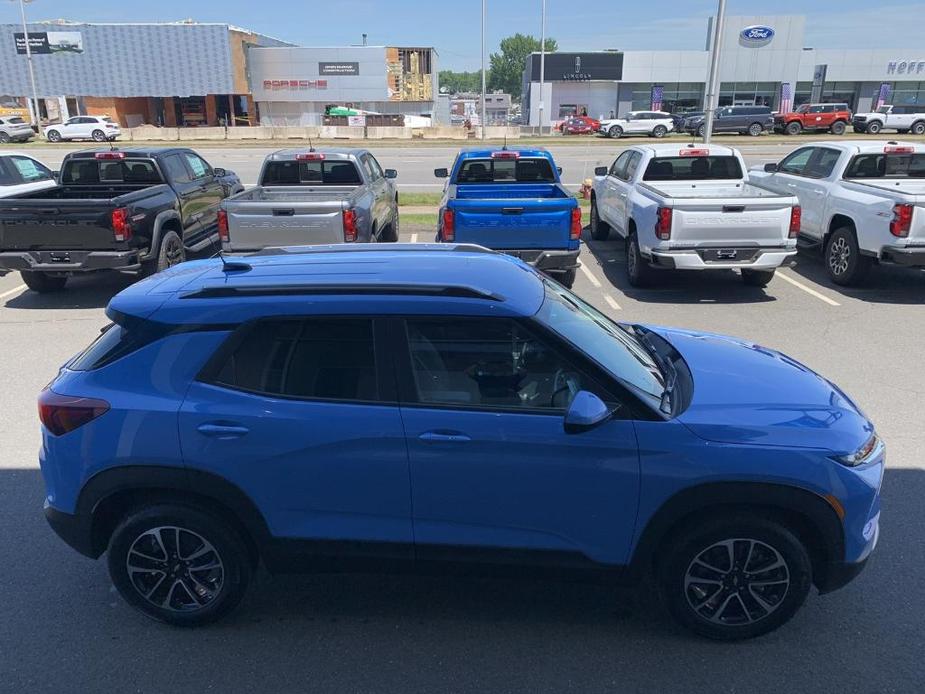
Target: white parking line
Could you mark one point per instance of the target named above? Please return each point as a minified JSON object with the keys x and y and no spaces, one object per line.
{"x":808,"y":290}
{"x":590,"y":275}
{"x":414,"y":238}
{"x":14,"y":290}
{"x":611,"y":302}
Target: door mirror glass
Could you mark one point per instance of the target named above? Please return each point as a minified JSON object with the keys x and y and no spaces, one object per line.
{"x":586,"y":412}
{"x":770,"y":168}
{"x":559,"y":170}
{"x":391,"y":173}
{"x":219,"y":172}
{"x":600,"y":170}
{"x":441,"y":173}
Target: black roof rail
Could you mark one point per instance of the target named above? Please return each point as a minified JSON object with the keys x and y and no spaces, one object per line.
{"x":435,"y":290}
{"x":368,"y":248}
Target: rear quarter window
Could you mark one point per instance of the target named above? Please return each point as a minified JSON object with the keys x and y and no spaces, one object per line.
{"x":117,"y":340}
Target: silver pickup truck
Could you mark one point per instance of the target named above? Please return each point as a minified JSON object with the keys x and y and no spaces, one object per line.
{"x":314,"y":196}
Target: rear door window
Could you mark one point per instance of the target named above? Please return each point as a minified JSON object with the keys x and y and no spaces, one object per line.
{"x":693,"y":169}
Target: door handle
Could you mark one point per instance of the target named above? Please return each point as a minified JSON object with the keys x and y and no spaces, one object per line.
{"x":791,"y":185}
{"x":449,"y":436}
{"x":818,"y":192}
{"x":622,"y":195}
{"x":222,"y":431}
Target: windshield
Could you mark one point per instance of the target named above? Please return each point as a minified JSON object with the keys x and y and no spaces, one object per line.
{"x":883,"y":109}
{"x":612,"y":347}
{"x":803,"y":109}
{"x":521,"y":170}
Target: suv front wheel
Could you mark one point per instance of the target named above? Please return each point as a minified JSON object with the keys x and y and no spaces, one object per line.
{"x":736,"y":577}
{"x":179,"y":565}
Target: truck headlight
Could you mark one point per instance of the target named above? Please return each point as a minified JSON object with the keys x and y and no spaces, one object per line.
{"x":867,"y":452}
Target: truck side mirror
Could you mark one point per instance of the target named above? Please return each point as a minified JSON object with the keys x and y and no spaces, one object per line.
{"x":600,"y":170}
{"x":441,"y":173}
{"x":56,"y":175}
{"x":559,"y":170}
{"x":770,"y":168}
{"x":391,"y":173}
{"x":219,"y":172}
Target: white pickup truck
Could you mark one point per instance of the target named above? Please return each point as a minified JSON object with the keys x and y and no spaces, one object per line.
{"x":687,"y":207}
{"x":887,"y":118}
{"x":863,"y":202}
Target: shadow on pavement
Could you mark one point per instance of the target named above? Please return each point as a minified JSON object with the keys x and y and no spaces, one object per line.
{"x":886,"y":284}
{"x":90,"y":291}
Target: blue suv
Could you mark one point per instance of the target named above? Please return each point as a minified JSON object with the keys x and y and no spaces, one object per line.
{"x":444,"y":405}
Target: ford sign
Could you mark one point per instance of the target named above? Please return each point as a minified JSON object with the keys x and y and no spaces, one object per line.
{"x":756,"y":35}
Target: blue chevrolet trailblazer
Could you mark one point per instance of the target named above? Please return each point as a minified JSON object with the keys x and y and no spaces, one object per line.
{"x":442,"y":405}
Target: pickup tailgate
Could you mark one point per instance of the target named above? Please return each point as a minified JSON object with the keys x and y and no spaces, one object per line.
{"x":513,"y":223}
{"x":56,"y":224}
{"x":913,"y":193}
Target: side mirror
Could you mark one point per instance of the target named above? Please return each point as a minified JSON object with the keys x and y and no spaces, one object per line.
{"x":586,"y":412}
{"x":219,"y":172}
{"x":391,"y":173}
{"x":56,"y":175}
{"x":559,"y":170}
{"x":600,"y":170}
{"x":441,"y":173}
{"x":771,"y":168}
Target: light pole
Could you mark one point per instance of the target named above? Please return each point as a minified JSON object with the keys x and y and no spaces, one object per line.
{"x":484,"y":2}
{"x":25,"y":33}
{"x":713,"y":85}
{"x":542,"y":61}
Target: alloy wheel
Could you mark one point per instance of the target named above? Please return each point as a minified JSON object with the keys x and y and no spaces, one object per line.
{"x":175,"y":568}
{"x":174,"y":252}
{"x":736,"y":582}
{"x":839,"y":256}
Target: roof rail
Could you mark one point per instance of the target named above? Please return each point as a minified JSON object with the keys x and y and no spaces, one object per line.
{"x":367,"y":248}
{"x":435,"y":290}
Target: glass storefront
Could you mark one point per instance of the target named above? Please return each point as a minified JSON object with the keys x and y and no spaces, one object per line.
{"x":747,"y":93}
{"x":677,"y":97}
{"x":908,"y":96}
{"x":832,"y":93}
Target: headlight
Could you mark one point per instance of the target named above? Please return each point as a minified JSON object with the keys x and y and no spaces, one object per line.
{"x":870,"y":450}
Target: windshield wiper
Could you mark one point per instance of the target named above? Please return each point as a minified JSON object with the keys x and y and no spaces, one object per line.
{"x":669,"y":372}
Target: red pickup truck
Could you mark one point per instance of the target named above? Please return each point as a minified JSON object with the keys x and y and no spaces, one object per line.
{"x":831,"y":117}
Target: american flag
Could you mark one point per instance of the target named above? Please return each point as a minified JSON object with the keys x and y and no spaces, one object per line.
{"x":658,"y":92}
{"x":884,"y":94}
{"x":786,"y":97}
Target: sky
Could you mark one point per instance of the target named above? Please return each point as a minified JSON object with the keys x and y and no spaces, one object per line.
{"x":453,"y":28}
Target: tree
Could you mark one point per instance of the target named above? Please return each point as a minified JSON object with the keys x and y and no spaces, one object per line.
{"x":507,"y":67}
{"x":456,"y":82}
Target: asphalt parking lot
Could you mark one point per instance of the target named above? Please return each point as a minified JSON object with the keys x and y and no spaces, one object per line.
{"x":63,"y":628}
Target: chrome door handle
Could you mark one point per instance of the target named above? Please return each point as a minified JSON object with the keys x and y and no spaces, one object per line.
{"x":453,"y":437}
{"x":818,"y":192}
{"x":222,"y":431}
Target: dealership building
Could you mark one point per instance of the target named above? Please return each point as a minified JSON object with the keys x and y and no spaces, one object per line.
{"x":764,"y":61}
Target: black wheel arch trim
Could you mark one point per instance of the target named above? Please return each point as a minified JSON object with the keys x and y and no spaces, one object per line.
{"x":802,"y":505}
{"x":157,"y":228}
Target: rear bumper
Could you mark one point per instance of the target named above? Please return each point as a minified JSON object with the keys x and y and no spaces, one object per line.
{"x":909,"y":255}
{"x":75,"y":530}
{"x":549,"y":261}
{"x":754,"y":259}
{"x":70,"y":261}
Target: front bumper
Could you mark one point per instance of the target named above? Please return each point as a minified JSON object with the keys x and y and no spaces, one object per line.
{"x":70,"y":261}
{"x":904,"y":255}
{"x":694,"y":259}
{"x":75,"y":530}
{"x":839,"y":574}
{"x":548,"y":261}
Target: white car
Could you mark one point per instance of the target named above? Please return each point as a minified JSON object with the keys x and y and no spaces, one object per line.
{"x":15,"y":129}
{"x":98,"y":128}
{"x":20,"y":173}
{"x":886,"y":118}
{"x":652,"y":123}
{"x":684,"y":207}
{"x":863,"y":202}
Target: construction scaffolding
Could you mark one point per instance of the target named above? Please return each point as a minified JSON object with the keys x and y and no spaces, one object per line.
{"x":410,"y":74}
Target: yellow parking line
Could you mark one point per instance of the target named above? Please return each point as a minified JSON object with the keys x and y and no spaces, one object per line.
{"x":590,"y":275}
{"x":14,"y":290}
{"x":808,"y":290}
{"x":611,"y":302}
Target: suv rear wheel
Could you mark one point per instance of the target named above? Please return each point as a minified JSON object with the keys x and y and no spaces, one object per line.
{"x":918,"y":128}
{"x":838,"y":127}
{"x":659,"y":131}
{"x":793,"y":128}
{"x":42,"y":282}
{"x":4,"y":138}
{"x":735,"y":577}
{"x":615,"y":131}
{"x":98,"y":135}
{"x":755,"y":129}
{"x":178,"y":565}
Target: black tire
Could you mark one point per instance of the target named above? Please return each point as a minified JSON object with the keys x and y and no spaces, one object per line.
{"x":42,"y":282}
{"x":4,"y":138}
{"x":600,"y":230}
{"x":874,"y":127}
{"x":170,"y":252}
{"x":757,"y":278}
{"x":177,"y":533}
{"x":53,"y":136}
{"x":859,"y":130}
{"x":701,"y":131}
{"x":567,"y":278}
{"x":638,"y":271}
{"x":98,"y":136}
{"x":615,"y":131}
{"x":793,"y":128}
{"x":659,"y":131}
{"x":731,"y":611}
{"x":843,"y":260}
{"x":918,"y":128}
{"x":755,"y":129}
{"x":390,"y":234}
{"x":838,"y":127}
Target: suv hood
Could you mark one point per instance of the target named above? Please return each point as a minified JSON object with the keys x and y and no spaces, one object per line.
{"x":748,"y":394}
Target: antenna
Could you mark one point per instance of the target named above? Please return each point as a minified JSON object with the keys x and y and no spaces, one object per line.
{"x":311,"y":147}
{"x":233,"y":265}
{"x":505,"y":142}
{"x":112,"y":146}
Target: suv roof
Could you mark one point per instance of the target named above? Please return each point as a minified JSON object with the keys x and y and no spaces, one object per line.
{"x":406,"y":278}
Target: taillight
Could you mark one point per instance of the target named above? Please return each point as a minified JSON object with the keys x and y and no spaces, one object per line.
{"x":448,"y":228}
{"x":223,"y":235}
{"x":350,"y":226}
{"x":796,"y":217}
{"x":663,"y":223}
{"x":121,"y":227}
{"x":63,"y":413}
{"x":902,"y":220}
{"x":576,"y":224}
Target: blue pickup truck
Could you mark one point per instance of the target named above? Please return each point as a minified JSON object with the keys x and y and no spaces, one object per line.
{"x":511,"y":200}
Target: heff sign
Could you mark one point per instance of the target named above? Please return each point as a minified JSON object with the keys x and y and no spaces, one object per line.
{"x":905,"y":67}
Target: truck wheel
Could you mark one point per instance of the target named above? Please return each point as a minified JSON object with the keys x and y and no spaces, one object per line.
{"x":701,"y":131}
{"x":659,"y":131}
{"x":755,"y":129}
{"x":42,"y":282}
{"x":793,"y":128}
{"x":98,"y":136}
{"x":4,"y":138}
{"x":757,"y":278}
{"x":737,"y":576}
{"x":390,"y":233}
{"x":171,"y":252}
{"x":600,"y":230}
{"x":637,"y":268}
{"x":566,"y":279}
{"x":53,"y":136}
{"x":874,"y":127}
{"x":615,"y":131}
{"x":918,"y":128}
{"x":838,"y":127}
{"x":843,"y":259}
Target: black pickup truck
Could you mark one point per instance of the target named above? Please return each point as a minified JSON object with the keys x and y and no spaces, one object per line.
{"x":134,"y":210}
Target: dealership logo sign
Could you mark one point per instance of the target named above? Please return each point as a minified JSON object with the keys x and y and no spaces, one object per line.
{"x":578,"y":75}
{"x":756,"y":36}
{"x":905,"y":67}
